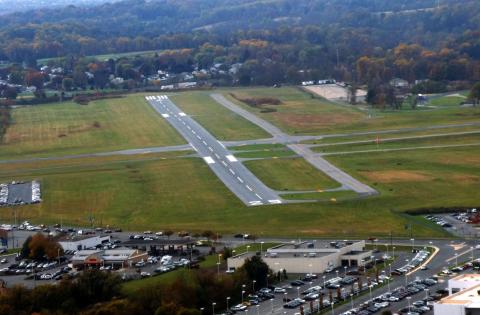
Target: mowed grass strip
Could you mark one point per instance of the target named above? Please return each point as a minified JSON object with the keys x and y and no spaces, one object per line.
{"x":221,"y":122}
{"x":300,"y":113}
{"x":290,"y":174}
{"x":408,"y":180}
{"x":266,"y":153}
{"x":387,"y":144}
{"x":69,"y":128}
{"x":332,"y":196}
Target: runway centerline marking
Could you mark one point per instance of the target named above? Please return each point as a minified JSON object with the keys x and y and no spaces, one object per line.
{"x":259,"y":196}
{"x":249,"y":188}
{"x":240,"y":180}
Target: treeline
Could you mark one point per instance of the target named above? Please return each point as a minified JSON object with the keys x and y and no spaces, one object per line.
{"x":96,"y":292}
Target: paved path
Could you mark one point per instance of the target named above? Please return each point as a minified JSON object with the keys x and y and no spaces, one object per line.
{"x":221,"y":161}
{"x":103,"y":154}
{"x":304,"y":151}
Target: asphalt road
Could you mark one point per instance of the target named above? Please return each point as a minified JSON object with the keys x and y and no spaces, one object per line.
{"x":304,"y":151}
{"x":221,"y":161}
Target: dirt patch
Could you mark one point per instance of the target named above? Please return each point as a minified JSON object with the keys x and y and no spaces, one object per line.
{"x":453,"y":159}
{"x":333,"y":91}
{"x":466,"y":179}
{"x":257,"y":101}
{"x":397,"y":176}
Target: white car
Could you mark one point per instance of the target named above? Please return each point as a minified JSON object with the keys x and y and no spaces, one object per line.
{"x":279,"y":290}
{"x":239,"y":308}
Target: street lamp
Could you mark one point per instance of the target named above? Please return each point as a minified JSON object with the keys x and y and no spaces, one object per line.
{"x":248,"y":247}
{"x":351,"y":300}
{"x":323,"y":281}
{"x":345,"y":271}
{"x":413,"y":244}
{"x":426,"y":293}
{"x":228,"y":299}
{"x":370,"y":288}
{"x":257,"y":306}
{"x":393,"y":252}
{"x":253,"y":285}
{"x":298,"y":292}
{"x":261,"y":248}
{"x":331,"y":304}
{"x":408,"y":299}
{"x":456,"y":259}
{"x":213,"y":308}
{"x":201,"y":309}
{"x":271,"y":304}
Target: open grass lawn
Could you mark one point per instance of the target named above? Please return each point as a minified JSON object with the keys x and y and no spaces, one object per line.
{"x":402,"y":134}
{"x":403,"y":143}
{"x":417,"y":179}
{"x":277,"y":153}
{"x":165,"y":192}
{"x":290,"y":174}
{"x":300,"y":113}
{"x":68,"y":128}
{"x":330,"y":196}
{"x":221,"y":122}
{"x":447,"y":101}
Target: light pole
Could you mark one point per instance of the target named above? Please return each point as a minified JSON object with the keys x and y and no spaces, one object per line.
{"x":248,"y":247}
{"x":351,"y":300}
{"x":344,"y":271}
{"x":310,"y":268}
{"x":331,"y":304}
{"x":370,"y":288}
{"x":201,"y":310}
{"x":456,"y":259}
{"x":323,"y":282}
{"x":253,"y":285}
{"x":228,"y":299}
{"x":413,"y":244}
{"x":213,"y":308}
{"x":426,"y":293}
{"x":243,"y":292}
{"x":408,"y":299}
{"x":298,"y":292}
{"x":336,"y":271}
{"x":393,"y":252}
{"x":261,"y":248}
{"x":386,"y":245}
{"x":271,"y":304}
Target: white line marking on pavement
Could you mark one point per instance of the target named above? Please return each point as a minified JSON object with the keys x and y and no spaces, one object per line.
{"x":204,"y":142}
{"x":199,"y":137}
{"x":231,"y":171}
{"x":249,"y":188}
{"x":165,"y":115}
{"x":240,"y":180}
{"x":259,"y":196}
{"x":209,"y":160}
{"x":189,"y":127}
{"x":231,"y":158}
{"x":210,"y":148}
{"x":255,"y":203}
{"x":225,"y":164}
{"x":193,"y":131}
{"x":221,"y":144}
{"x":182,"y":114}
{"x":193,"y":147}
{"x":217,"y":156}
{"x":275,"y":201}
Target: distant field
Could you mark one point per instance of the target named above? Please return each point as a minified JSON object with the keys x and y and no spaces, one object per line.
{"x":110,"y":56}
{"x":302,"y":114}
{"x":69,"y":128}
{"x":290,"y":174}
{"x":221,"y":122}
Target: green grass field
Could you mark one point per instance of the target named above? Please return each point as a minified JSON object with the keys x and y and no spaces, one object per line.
{"x":333,"y":196}
{"x":447,"y":101}
{"x":403,"y":143}
{"x":68,"y":128}
{"x":290,"y":174}
{"x":222,"y":123}
{"x":300,"y":113}
{"x":109,"y":56}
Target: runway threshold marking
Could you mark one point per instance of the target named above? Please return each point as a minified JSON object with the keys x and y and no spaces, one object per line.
{"x":165,"y":115}
{"x":209,"y":160}
{"x":231,"y":158}
{"x":255,"y":203}
{"x":182,"y":114}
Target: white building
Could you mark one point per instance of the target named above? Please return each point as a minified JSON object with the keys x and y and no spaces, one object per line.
{"x":464,"y":298}
{"x":78,"y":242}
{"x":305,"y":257}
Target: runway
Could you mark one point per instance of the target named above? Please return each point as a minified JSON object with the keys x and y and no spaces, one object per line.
{"x":246,"y":186}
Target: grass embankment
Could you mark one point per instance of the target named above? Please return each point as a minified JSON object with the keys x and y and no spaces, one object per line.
{"x":300,"y":113}
{"x":290,"y":174}
{"x":101,"y":126}
{"x":221,"y":122}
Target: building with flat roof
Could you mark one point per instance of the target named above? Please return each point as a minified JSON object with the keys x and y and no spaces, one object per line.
{"x":464,"y":298}
{"x":80,"y":242}
{"x":117,"y":258}
{"x":305,"y":257}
